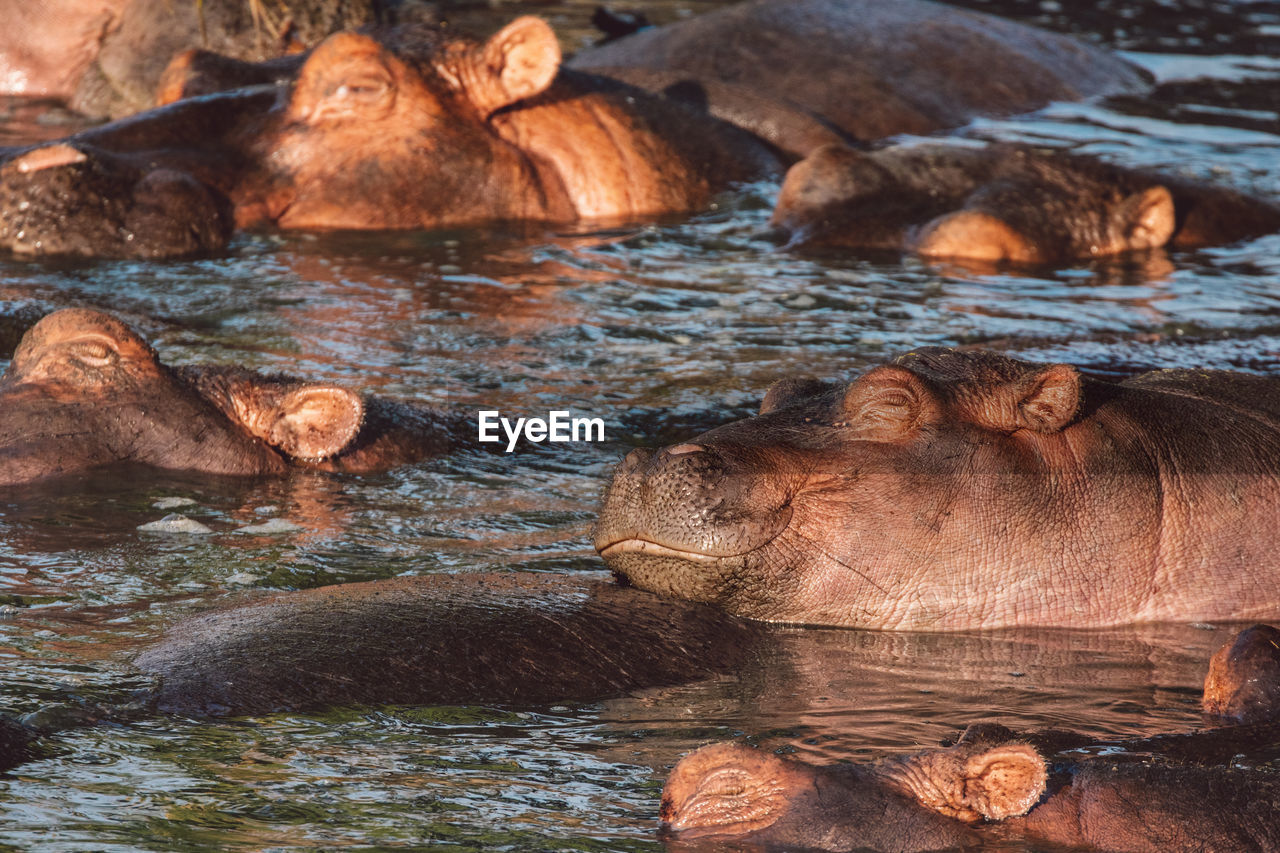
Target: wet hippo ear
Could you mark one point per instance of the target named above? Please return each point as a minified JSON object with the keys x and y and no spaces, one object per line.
{"x":518,"y":62}
{"x":1243,"y":683}
{"x":1004,"y":781}
{"x":1048,"y":401}
{"x":1044,"y":401}
{"x":974,"y":235}
{"x":790,"y":390}
{"x":886,"y":404}
{"x":1146,"y":219}
{"x":315,"y":422}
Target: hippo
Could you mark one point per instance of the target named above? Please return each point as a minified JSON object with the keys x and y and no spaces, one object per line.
{"x":965,"y":489}
{"x":105,"y":58}
{"x":1146,"y":794}
{"x":1003,"y":203}
{"x":420,"y":129}
{"x":799,"y":71}
{"x":802,"y":73}
{"x":84,"y":391}
{"x":510,"y":638}
{"x":990,"y":786}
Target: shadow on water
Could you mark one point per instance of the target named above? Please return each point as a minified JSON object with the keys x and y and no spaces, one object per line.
{"x":663,"y":330}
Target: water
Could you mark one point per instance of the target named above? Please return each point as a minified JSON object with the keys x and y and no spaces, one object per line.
{"x":661,"y":330}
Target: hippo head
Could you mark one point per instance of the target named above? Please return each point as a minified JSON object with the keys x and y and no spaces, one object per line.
{"x":893,"y":502}
{"x":398,"y":133}
{"x":923,"y":801}
{"x":84,"y":390}
{"x":1243,"y":684}
{"x":993,"y":204}
{"x":61,"y":199}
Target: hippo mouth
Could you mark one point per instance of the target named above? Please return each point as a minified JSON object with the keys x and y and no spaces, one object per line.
{"x":638,"y":544}
{"x":653,"y":549}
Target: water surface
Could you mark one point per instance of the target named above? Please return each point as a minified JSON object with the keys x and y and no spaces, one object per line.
{"x":660,"y":330}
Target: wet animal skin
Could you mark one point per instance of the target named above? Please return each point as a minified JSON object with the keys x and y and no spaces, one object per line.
{"x":85,"y":391}
{"x":1179,"y":792}
{"x":951,"y":490}
{"x":1003,"y":203}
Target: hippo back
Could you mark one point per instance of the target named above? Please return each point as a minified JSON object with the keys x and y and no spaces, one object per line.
{"x":871,"y":69}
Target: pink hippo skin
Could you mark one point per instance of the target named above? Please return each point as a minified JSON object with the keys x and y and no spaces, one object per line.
{"x":423,"y":129}
{"x":1003,"y":203}
{"x":84,"y":391}
{"x":1177,"y":792}
{"x":954,"y":490}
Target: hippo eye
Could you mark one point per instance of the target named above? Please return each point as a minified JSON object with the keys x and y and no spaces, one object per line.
{"x":362,"y":89}
{"x":899,"y":399}
{"x":93,"y":353}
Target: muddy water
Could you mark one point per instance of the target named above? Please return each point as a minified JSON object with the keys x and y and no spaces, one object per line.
{"x":659,"y":330}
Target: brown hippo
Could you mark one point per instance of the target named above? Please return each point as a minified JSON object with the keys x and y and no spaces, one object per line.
{"x":510,"y":638}
{"x":953,"y":490}
{"x":1003,"y":203}
{"x":421,"y":129}
{"x":106,"y":57}
{"x":803,"y":73}
{"x":1050,"y":786}
{"x":990,"y":786}
{"x":793,"y":72}
{"x":85,"y":391}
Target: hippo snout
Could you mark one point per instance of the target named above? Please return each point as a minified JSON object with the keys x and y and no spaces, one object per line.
{"x":687,"y":516}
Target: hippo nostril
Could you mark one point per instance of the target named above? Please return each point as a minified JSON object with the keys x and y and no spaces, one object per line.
{"x":683,"y":449}
{"x":633,"y":460}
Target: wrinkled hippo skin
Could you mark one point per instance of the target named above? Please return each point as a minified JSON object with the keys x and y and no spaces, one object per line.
{"x":106,"y":57}
{"x":795,"y":72}
{"x":954,"y":490}
{"x":1003,"y":203}
{"x":85,"y":391}
{"x":422,"y":129}
{"x":1181,"y":791}
{"x":508,"y":638}
{"x":990,"y":785}
{"x":803,"y":73}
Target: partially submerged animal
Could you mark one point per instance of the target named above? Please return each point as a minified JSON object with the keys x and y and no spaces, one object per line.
{"x":954,"y":490}
{"x":85,"y":391}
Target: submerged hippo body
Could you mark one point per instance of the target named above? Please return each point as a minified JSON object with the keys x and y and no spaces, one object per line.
{"x":955,"y":490}
{"x":106,"y":57}
{"x":991,"y":785}
{"x":421,"y":129}
{"x":84,"y":391}
{"x":1003,"y":203}
{"x":803,"y":73}
{"x":507,"y":638}
{"x":862,"y":68}
{"x":1180,"y":791}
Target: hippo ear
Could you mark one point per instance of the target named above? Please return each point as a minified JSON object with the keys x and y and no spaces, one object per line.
{"x":518,"y":62}
{"x":790,"y":390}
{"x":315,"y":422}
{"x":886,"y":404}
{"x":1004,"y":781}
{"x":1048,"y":400}
{"x":1147,"y":219}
